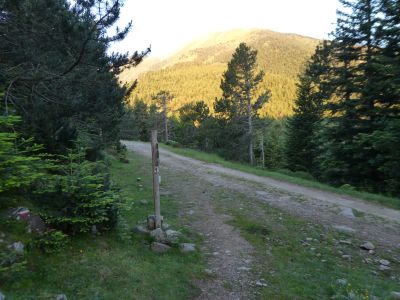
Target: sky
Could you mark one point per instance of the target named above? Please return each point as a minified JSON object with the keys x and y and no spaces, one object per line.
{"x":167,"y":25}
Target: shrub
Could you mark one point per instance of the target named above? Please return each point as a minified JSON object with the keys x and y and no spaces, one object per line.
{"x":79,"y":196}
{"x":52,"y":241}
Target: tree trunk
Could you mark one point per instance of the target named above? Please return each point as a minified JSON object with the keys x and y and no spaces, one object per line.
{"x":165,"y":120}
{"x":262,"y":150}
{"x":250,"y":130}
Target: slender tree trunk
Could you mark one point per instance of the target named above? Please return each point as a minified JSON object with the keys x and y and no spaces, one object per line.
{"x":262,"y":150}
{"x":250,"y":129}
{"x":165,"y":120}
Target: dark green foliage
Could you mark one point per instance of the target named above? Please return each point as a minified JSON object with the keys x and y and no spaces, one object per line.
{"x":21,"y":165}
{"x":240,"y":103}
{"x":56,"y":71}
{"x":84,"y":196}
{"x":301,"y":127}
{"x":345,"y":127}
{"x":52,"y":241}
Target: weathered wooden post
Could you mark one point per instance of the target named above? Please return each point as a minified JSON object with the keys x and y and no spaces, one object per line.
{"x":156,"y":177}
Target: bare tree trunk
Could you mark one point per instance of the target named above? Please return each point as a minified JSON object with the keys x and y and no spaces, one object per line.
{"x":262,"y":150}
{"x":165,"y":120}
{"x":250,"y":129}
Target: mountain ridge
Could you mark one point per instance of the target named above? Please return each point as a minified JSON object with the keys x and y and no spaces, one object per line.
{"x":194,"y":72}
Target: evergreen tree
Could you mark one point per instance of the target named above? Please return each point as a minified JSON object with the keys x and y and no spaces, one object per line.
{"x":239,"y":105}
{"x":312,"y":91}
{"x":162,"y":100}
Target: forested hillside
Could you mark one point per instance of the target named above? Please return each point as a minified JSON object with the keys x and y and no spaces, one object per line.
{"x":195,"y":72}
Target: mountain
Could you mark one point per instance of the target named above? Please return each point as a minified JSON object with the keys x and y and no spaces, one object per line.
{"x":194,"y":73}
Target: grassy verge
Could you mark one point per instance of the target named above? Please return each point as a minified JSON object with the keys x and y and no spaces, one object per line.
{"x":297,"y":259}
{"x":213,"y":158}
{"x":114,"y":265}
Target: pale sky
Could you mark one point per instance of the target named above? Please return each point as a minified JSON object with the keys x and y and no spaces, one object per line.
{"x":167,"y":25}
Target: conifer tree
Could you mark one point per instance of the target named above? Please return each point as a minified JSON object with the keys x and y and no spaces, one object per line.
{"x":162,"y":100}
{"x":301,"y":127}
{"x":239,"y":105}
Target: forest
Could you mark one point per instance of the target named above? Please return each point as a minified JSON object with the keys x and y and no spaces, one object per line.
{"x":345,"y":124}
{"x":76,"y":181}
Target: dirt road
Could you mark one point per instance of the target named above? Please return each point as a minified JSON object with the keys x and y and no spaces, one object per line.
{"x":230,"y":255}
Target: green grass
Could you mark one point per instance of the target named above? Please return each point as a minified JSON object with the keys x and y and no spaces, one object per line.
{"x":114,"y":265}
{"x":302,"y":260}
{"x":213,"y":158}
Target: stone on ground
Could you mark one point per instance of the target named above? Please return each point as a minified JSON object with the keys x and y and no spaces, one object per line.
{"x":17,"y":247}
{"x":344,"y":229}
{"x":158,"y":235}
{"x":61,"y":297}
{"x":395,"y":295}
{"x":347,"y":212}
{"x":172,"y":236}
{"x":159,"y":247}
{"x":2,"y":297}
{"x":187,"y":247}
{"x":36,"y":225}
{"x":367,"y":246}
{"x":141,"y":229}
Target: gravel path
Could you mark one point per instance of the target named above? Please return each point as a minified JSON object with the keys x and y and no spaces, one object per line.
{"x":229,"y":255}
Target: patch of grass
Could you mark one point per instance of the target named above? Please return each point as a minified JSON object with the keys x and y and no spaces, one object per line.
{"x":114,"y":265}
{"x":213,"y":158}
{"x":302,"y":260}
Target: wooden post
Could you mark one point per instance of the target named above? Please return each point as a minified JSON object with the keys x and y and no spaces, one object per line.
{"x":156,"y":177}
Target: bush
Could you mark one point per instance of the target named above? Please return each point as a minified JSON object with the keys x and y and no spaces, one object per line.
{"x":79,"y":196}
{"x":52,"y":241}
{"x":21,"y":165}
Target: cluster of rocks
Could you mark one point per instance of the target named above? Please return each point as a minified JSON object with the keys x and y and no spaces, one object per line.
{"x":163,"y":238}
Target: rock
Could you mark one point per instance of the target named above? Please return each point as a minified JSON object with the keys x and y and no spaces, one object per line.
{"x":151,"y":222}
{"x":138,"y":179}
{"x":2,"y":235}
{"x":158,"y":235}
{"x":341,"y":281}
{"x":61,"y":297}
{"x":347,"y":212}
{"x":208,"y":271}
{"x":1,"y":241}
{"x":343,"y":228}
{"x":261,"y":284}
{"x":94,"y":230}
{"x":191,"y":212}
{"x":348,"y":257}
{"x":172,"y":236}
{"x":384,"y":268}
{"x":165,"y":226}
{"x":367,"y":246}
{"x":18,"y":247}
{"x":215,"y":253}
{"x":384,"y":262}
{"x":346,"y":242}
{"x":244,"y":269}
{"x":393,"y":295}
{"x":159,"y":247}
{"x":144,"y":202}
{"x":36,"y":225}
{"x":371,"y":252}
{"x":2,"y":297}
{"x":187,"y":247}
{"x":140,"y":229}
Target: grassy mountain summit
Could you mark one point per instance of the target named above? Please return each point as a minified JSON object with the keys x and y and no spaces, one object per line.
{"x":194,"y":73}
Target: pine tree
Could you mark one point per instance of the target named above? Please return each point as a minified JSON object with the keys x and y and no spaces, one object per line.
{"x":239,"y":105}
{"x":312,"y":91}
{"x":162,"y":100}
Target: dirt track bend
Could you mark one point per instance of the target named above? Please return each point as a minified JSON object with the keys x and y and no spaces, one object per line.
{"x":371,"y":222}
